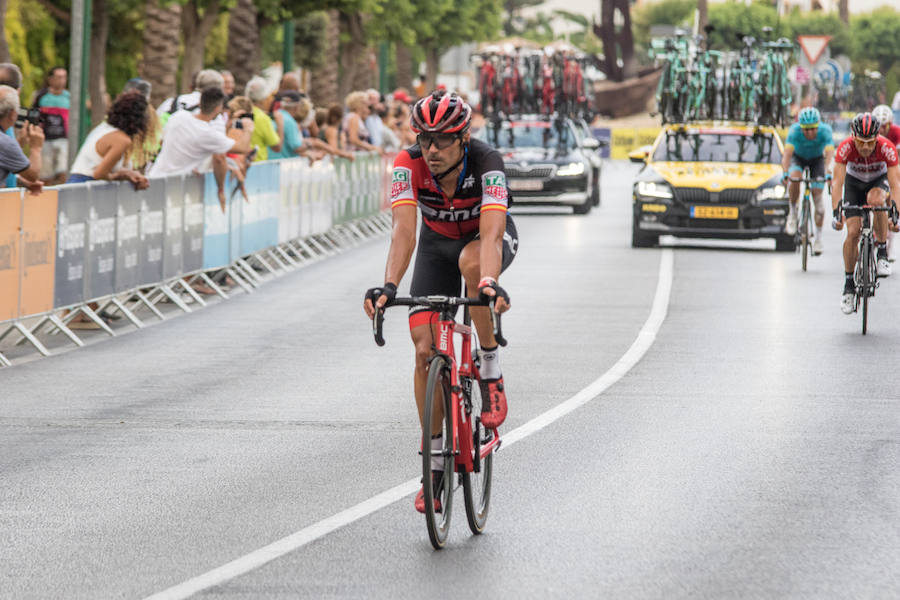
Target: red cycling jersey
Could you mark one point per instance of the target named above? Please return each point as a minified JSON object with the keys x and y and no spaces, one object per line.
{"x":871,"y":167}
{"x":481,"y":186}
{"x":894,"y":134}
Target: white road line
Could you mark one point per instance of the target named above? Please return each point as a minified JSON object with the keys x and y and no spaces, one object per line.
{"x":258,"y":558}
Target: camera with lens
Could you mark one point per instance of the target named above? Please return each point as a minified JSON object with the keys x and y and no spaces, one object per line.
{"x":30,"y":115}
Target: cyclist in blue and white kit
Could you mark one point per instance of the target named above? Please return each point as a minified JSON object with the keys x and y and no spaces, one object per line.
{"x":809,"y":144}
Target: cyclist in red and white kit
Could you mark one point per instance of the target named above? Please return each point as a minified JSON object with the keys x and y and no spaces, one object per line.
{"x":866,"y":171}
{"x":459,"y":185}
{"x":888,"y":128}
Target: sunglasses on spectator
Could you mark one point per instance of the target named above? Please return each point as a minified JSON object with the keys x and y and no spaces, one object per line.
{"x":441,"y":140}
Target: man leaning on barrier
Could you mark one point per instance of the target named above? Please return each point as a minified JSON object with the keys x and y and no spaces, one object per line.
{"x":12,"y":158}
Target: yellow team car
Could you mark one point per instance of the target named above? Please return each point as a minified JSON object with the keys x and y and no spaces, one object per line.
{"x":711,"y":180}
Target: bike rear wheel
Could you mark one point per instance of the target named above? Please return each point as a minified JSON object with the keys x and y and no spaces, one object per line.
{"x":477,"y":486}
{"x":805,"y":230}
{"x":438,"y":522}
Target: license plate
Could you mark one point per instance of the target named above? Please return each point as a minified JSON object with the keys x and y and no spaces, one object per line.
{"x":526,"y":185}
{"x":714,"y":212}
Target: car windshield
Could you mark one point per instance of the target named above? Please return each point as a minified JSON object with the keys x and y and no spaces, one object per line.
{"x":717,"y":147}
{"x":530,"y":135}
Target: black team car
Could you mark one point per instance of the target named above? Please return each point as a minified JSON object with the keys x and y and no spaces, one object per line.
{"x":545,"y":164}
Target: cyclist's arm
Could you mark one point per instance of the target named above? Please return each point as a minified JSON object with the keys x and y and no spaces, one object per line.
{"x":403,"y":242}
{"x":786,"y":158}
{"x":837,"y":185}
{"x":829,"y":158}
{"x":893,"y":175}
{"x":492,"y":225}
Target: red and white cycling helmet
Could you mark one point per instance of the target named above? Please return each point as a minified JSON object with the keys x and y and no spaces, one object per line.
{"x":441,"y":112}
{"x":864,"y":126}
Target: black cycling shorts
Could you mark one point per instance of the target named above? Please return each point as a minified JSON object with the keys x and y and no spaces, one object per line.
{"x":436,"y":271}
{"x":856,"y":190}
{"x":816,"y":168}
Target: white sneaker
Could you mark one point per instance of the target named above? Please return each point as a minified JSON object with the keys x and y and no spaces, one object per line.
{"x":848,"y":299}
{"x":882,"y":267}
{"x":817,"y":246}
{"x":790,"y":227}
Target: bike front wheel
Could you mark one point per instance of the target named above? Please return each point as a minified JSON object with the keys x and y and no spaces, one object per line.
{"x":477,"y":486}
{"x":437,"y":394}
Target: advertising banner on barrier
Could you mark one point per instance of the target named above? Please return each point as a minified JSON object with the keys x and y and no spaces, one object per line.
{"x":101,"y":250}
{"x":173,"y":243}
{"x":71,"y":245}
{"x":152,"y":233}
{"x":38,"y":252}
{"x":259,"y":219}
{"x":128,"y":243}
{"x":215,"y":223}
{"x":387,"y":166}
{"x":10,"y":221}
{"x":193,"y":223}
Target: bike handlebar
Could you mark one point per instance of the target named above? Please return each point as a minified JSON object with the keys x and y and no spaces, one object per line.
{"x":438,"y":303}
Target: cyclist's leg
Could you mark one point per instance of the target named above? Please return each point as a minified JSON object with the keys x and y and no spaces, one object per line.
{"x":435,"y":272}
{"x":877,"y":196}
{"x":817,"y":169}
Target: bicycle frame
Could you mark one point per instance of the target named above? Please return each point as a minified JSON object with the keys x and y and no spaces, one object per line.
{"x":463,"y":440}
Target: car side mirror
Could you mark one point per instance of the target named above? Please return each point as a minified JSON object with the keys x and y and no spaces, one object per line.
{"x":638,"y":156}
{"x":590,"y":144}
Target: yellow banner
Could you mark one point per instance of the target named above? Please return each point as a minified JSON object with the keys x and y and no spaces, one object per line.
{"x":10,"y":222}
{"x":38,"y":252}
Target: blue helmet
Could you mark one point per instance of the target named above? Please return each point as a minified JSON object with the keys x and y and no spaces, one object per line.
{"x":809,"y":117}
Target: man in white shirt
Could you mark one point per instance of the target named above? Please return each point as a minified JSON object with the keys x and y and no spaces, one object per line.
{"x":191,"y":140}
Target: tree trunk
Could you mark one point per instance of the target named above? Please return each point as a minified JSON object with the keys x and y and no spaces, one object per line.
{"x":323,"y":87}
{"x":432,"y":67}
{"x":195,"y":29}
{"x":159,"y":60}
{"x":626,"y":41}
{"x":97,"y":70}
{"x":4,"y":46}
{"x":606,"y":31}
{"x":404,"y":67}
{"x":844,"y":11}
{"x":703,"y":17}
{"x":244,"y":51}
{"x":354,"y":55}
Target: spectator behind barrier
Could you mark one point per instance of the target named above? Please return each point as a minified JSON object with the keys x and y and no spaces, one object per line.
{"x":331,"y":132}
{"x":11,"y":75}
{"x":400,"y":123}
{"x":191,"y":101}
{"x":53,"y":102}
{"x":12,"y":159}
{"x":190,"y":141}
{"x":265,"y":134}
{"x":373,"y":121}
{"x":144,"y":148}
{"x":107,"y":150}
{"x":227,"y":85}
{"x":353,"y":128}
{"x":296,"y":111}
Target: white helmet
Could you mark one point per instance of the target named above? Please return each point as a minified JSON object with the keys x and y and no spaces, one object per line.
{"x":884,"y":114}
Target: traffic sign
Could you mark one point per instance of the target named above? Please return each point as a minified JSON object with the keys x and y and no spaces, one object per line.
{"x":801,"y":75}
{"x":813,"y":46}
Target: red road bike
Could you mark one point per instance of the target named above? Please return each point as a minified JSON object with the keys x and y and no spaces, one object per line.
{"x":467,"y":448}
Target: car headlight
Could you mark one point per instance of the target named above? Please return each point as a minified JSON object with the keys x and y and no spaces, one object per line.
{"x":775,"y":192}
{"x":651,"y":189}
{"x":571,"y":170}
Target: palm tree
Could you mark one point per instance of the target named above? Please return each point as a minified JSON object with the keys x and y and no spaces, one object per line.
{"x":244,"y":52}
{"x":324,"y":80}
{"x":195,"y":28}
{"x":159,"y":61}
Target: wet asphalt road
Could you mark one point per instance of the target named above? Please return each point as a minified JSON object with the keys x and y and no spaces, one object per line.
{"x":752,"y":453}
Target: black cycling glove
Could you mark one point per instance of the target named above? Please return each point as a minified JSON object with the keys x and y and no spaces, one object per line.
{"x":388,"y":289}
{"x":490,"y":282}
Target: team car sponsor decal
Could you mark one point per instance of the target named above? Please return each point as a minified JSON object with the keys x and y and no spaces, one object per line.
{"x":493,"y":183}
{"x":400,"y":183}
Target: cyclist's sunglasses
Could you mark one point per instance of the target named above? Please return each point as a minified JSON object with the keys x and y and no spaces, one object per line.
{"x":441,"y":140}
{"x":865,"y":141}
{"x":813,"y":126}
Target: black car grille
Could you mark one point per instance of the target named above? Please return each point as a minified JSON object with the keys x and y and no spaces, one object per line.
{"x":702,"y":196}
{"x":533,"y":171}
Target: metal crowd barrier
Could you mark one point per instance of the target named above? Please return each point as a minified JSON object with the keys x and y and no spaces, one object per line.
{"x":107,"y":245}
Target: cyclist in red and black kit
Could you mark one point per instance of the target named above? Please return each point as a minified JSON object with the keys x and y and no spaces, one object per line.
{"x":866,"y":171}
{"x":459,"y":185}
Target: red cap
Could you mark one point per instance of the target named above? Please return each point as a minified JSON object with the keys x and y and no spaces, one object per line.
{"x":402,"y":96}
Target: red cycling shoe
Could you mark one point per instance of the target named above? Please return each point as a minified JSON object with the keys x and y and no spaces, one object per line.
{"x":493,"y":402}
{"x":436,"y":480}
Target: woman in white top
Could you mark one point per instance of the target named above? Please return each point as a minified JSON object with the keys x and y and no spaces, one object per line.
{"x":105,"y":153}
{"x":356,"y":136}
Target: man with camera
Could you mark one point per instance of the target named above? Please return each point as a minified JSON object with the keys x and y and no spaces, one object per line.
{"x":12,"y":158}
